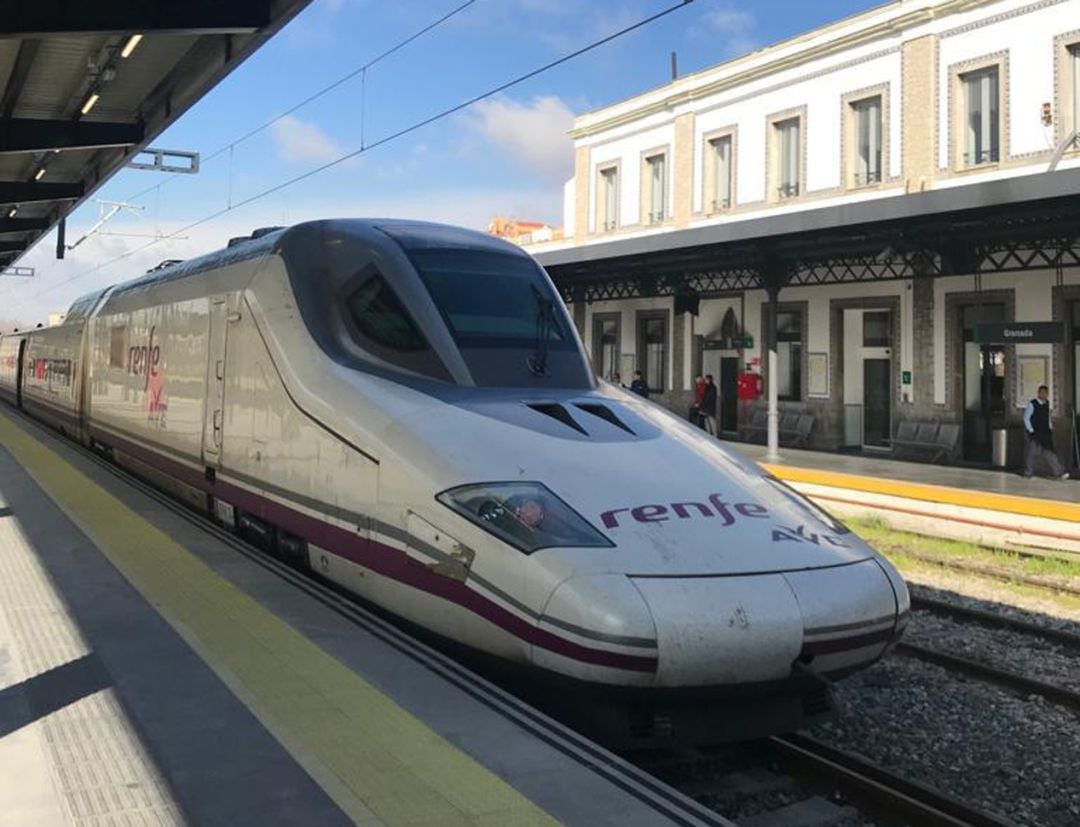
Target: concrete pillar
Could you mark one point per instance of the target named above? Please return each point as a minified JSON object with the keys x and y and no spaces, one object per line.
{"x":683,"y":169}
{"x":918,"y":110}
{"x":922,"y":331}
{"x":773,"y":452}
{"x":582,"y":185}
{"x":678,"y":353}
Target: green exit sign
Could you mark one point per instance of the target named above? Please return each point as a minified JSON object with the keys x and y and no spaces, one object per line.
{"x":748,"y":341}
{"x":905,"y":377}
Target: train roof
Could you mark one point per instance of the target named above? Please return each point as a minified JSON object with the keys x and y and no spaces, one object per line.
{"x":409,"y":234}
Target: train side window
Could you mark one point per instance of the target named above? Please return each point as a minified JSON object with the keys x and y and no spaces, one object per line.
{"x":118,"y":346}
{"x":380,"y":324}
{"x":380,"y":317}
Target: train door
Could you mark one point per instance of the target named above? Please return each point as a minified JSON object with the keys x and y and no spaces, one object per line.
{"x":214,"y":421}
{"x":19,"y":373}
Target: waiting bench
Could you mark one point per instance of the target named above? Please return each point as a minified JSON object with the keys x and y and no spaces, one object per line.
{"x":933,"y":439}
{"x":794,"y":428}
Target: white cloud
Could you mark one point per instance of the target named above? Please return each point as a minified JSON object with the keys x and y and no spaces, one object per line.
{"x":735,"y":27}
{"x":533,"y":134}
{"x":302,"y":141}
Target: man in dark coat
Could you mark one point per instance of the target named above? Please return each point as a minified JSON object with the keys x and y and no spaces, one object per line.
{"x":639,"y":385}
{"x":709,"y":401}
{"x":1040,"y":436}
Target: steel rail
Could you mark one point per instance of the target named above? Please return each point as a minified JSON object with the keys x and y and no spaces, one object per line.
{"x":992,"y":572}
{"x":984,"y":671}
{"x":996,"y":620}
{"x":879,"y":789}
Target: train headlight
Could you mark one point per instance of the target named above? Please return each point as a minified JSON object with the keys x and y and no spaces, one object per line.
{"x":526,"y":515}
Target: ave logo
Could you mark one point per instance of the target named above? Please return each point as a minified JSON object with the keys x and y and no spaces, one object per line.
{"x":783,"y":534}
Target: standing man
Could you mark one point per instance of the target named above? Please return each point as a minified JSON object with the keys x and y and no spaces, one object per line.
{"x":639,"y":385}
{"x":699,"y":394}
{"x":708,"y":404}
{"x":1040,"y":437}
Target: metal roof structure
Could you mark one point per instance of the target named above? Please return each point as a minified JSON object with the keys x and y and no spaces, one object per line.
{"x":84,"y":86}
{"x":1005,"y":225}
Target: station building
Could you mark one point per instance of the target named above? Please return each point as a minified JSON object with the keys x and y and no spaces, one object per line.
{"x":892,"y":199}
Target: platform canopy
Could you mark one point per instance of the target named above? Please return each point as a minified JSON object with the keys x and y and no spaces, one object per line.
{"x":86,"y":84}
{"x":1015,"y":224}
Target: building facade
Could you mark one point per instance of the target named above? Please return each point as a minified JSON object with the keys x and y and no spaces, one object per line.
{"x":912,"y":101}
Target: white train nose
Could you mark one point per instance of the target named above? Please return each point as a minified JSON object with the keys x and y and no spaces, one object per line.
{"x":723,"y":630}
{"x":600,"y":629}
{"x":715,"y":631}
{"x":727,"y":630}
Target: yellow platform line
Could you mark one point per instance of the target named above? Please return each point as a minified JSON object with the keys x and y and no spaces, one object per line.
{"x":379,"y":763}
{"x":986,"y":500}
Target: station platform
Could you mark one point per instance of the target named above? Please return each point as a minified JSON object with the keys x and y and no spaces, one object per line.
{"x":153,"y":672}
{"x":972,"y":504}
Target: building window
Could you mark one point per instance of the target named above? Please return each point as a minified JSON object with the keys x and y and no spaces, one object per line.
{"x":652,"y":350}
{"x":981,"y":127}
{"x":719,"y":171}
{"x":787,"y":156}
{"x":877,"y":328}
{"x":606,"y":345}
{"x":657,"y":180}
{"x":789,"y":349}
{"x":867,"y":114}
{"x":609,"y":199}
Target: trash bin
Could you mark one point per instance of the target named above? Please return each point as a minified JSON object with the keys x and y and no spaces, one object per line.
{"x":999,"y":444}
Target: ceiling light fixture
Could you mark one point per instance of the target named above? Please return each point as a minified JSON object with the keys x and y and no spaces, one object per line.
{"x":12,"y":211}
{"x":131,"y":45}
{"x":90,"y":101}
{"x":39,"y":174}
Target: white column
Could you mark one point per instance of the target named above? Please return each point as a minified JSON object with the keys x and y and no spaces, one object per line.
{"x":773,"y":454}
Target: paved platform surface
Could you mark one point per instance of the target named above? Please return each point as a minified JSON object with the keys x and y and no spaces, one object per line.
{"x":150,"y":673}
{"x":972,"y":482}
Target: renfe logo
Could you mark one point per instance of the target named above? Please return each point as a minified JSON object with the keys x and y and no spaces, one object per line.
{"x":685,"y":511}
{"x":143,"y":359}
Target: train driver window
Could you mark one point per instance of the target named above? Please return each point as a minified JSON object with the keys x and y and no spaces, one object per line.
{"x":379,"y":323}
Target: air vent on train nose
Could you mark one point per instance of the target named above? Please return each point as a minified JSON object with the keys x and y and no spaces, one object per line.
{"x":557,"y":412}
{"x":605,"y":413}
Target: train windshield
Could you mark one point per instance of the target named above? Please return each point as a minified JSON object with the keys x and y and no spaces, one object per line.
{"x":508,"y":323}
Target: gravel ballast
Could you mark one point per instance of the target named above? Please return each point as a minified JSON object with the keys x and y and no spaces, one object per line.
{"x":1014,"y":757}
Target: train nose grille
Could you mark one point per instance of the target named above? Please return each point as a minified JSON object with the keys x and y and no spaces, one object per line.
{"x":558,"y":413}
{"x":605,"y":413}
{"x":561,"y":413}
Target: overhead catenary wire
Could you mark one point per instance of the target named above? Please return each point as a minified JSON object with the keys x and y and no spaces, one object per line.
{"x":314,"y":96}
{"x":445,"y":113}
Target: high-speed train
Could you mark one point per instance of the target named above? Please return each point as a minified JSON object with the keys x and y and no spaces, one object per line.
{"x":407,"y":409}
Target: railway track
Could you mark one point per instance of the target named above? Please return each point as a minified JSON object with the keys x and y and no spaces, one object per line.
{"x":816,"y":783}
{"x":988,"y":672}
{"x":994,"y":573}
{"x":880,"y":791}
{"x":995,"y":620}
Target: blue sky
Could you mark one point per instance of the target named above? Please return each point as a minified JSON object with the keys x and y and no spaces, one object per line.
{"x":508,"y":155}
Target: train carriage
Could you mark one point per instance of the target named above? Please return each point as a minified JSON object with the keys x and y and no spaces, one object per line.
{"x":407,"y":409}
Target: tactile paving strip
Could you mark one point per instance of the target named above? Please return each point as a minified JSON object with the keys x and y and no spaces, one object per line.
{"x":99,"y":769}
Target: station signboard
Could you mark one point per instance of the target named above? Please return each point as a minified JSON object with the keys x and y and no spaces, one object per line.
{"x":1012,"y":333}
